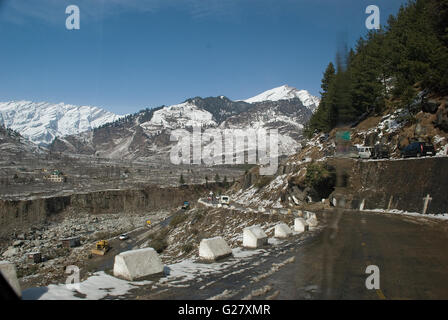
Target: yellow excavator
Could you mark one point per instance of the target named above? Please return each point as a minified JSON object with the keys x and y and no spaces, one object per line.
{"x":101,"y":248}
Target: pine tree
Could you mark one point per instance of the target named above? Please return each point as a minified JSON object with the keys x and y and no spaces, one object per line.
{"x":320,"y":119}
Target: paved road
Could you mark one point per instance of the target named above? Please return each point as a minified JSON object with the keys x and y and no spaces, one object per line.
{"x":410,"y":253}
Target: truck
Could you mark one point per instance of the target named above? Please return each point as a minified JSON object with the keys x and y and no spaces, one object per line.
{"x":186,"y":205}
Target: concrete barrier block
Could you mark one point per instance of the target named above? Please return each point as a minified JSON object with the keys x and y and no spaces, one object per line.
{"x":8,"y":271}
{"x":309,"y":215}
{"x":300,"y":225}
{"x":135,"y":264}
{"x":214,"y":249}
{"x":312,"y":222}
{"x":282,"y":231}
{"x":254,"y":237}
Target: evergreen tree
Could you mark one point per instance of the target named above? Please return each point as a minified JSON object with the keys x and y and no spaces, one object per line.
{"x":319,"y":120}
{"x":407,"y":55}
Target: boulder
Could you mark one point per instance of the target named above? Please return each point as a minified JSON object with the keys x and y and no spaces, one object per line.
{"x":18,"y":243}
{"x":8,"y":270}
{"x":254,"y":237}
{"x":300,"y":225}
{"x":11,"y":252}
{"x":441,"y":120}
{"x":135,"y":264}
{"x":430,"y":106}
{"x":214,"y":249}
{"x":282,"y":231}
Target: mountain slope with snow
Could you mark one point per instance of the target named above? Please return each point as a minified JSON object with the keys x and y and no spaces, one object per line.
{"x":286,"y":92}
{"x":41,"y":122}
{"x":146,"y":134}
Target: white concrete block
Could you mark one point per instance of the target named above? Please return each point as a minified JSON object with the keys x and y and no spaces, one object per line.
{"x":8,"y":271}
{"x":135,"y":264}
{"x":312,"y":222}
{"x":214,"y":249}
{"x":282,"y":231}
{"x":310,"y":215}
{"x":254,"y":237}
{"x":300,"y":225}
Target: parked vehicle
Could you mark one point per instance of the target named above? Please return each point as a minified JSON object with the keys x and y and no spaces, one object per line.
{"x":225,"y":200}
{"x":123,"y":236}
{"x":353,"y":152}
{"x":418,"y":149}
{"x":365,"y":152}
{"x":186,"y":205}
{"x":380,"y":151}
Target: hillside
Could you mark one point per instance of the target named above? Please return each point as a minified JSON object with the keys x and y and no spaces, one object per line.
{"x":13,"y":146}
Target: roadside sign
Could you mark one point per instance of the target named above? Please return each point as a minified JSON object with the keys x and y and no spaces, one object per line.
{"x":343,"y":135}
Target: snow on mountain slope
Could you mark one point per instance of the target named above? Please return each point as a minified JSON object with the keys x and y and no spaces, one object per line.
{"x":286,"y":92}
{"x":181,"y":115}
{"x":42,"y":122}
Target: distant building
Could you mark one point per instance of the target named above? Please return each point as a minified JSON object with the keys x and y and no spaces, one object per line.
{"x":56,"y":176}
{"x":34,"y":257}
{"x":71,"y":242}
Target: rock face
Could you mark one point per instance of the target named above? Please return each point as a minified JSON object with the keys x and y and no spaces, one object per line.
{"x":384,"y":182}
{"x":300,"y":225}
{"x":21,"y":214}
{"x":254,"y":237}
{"x":8,"y":271}
{"x":214,"y":249}
{"x":282,"y":231}
{"x":135,"y":264}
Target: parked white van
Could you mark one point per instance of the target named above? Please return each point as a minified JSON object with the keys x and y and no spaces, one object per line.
{"x":365,"y":152}
{"x":225,"y":200}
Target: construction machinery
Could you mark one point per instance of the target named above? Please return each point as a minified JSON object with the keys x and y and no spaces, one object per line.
{"x":101,"y":248}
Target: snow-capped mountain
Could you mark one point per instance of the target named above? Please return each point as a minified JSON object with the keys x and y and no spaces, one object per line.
{"x":41,"y":122}
{"x":286,"y":92}
{"x":146,"y":134}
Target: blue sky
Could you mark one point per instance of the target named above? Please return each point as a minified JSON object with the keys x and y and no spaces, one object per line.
{"x":133,"y":54}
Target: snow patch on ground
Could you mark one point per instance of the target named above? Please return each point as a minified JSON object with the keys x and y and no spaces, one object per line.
{"x":442,"y":216}
{"x":97,"y":286}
